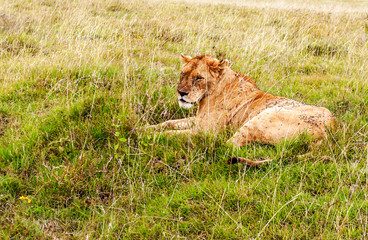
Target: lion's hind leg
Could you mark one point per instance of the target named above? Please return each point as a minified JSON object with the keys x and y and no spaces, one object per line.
{"x":270,"y":126}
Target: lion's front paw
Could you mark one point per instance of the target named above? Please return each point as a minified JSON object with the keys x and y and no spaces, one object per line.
{"x":161,"y":126}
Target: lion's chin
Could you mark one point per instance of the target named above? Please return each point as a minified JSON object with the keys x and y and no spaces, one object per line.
{"x":185,"y":104}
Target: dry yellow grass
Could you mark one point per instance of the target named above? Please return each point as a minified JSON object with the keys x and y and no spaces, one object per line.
{"x":313,"y":5}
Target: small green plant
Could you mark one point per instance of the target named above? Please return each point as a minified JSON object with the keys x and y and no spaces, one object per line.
{"x":120,"y":143}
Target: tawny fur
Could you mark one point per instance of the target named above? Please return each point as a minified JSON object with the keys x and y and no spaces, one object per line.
{"x":228,"y":98}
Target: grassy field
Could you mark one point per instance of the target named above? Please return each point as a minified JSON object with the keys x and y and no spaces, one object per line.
{"x":79,"y":77}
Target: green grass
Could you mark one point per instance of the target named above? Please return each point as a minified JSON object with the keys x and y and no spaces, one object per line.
{"x":79,"y":78}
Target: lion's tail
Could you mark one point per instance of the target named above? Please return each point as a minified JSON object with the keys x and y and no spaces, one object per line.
{"x":234,"y":160}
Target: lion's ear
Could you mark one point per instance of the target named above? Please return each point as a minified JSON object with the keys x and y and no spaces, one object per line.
{"x":223,"y":63}
{"x":185,"y":58}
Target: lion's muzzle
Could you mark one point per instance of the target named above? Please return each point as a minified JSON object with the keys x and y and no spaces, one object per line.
{"x":184,"y":103}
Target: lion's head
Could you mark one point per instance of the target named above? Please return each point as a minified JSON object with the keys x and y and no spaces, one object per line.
{"x":198,"y":78}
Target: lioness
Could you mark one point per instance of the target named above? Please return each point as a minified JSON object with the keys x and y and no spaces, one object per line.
{"x":228,"y":98}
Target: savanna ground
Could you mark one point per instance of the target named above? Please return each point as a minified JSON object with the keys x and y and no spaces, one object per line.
{"x":78,"y":79}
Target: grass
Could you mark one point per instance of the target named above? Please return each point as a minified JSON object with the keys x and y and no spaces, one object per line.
{"x":78,"y":78}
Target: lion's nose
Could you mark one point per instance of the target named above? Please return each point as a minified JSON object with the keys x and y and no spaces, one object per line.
{"x":182,"y":93}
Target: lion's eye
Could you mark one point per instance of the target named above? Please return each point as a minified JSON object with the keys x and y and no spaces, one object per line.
{"x":197,"y":79}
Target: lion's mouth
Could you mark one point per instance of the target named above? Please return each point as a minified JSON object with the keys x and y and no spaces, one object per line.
{"x":183,"y":101}
{"x":185,"y":104}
